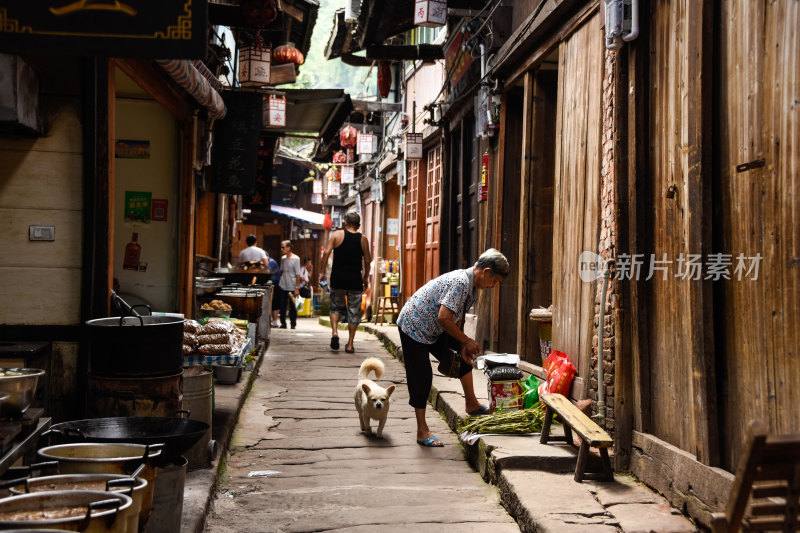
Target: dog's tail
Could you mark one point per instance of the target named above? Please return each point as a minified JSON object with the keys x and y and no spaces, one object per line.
{"x":371,"y":364}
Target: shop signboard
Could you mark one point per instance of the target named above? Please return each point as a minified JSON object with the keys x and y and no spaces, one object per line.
{"x":124,"y":28}
{"x":348,"y":174}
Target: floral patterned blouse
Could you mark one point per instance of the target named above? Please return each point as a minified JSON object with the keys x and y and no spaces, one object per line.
{"x":419,"y":317}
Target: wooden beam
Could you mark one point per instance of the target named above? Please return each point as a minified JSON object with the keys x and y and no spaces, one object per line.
{"x":379,"y":107}
{"x":155,"y":81}
{"x":425,"y":52}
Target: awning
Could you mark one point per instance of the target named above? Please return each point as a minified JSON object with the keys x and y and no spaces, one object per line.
{"x":300,"y":214}
{"x":377,"y":21}
{"x":314,"y":111}
{"x":186,"y":74}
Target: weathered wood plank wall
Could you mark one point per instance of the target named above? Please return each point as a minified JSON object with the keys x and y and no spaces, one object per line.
{"x":760,"y":213}
{"x":577,"y":199}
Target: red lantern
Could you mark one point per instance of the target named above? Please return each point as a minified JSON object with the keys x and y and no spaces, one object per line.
{"x":332,"y":174}
{"x":340,"y":157}
{"x":348,"y":137}
{"x":384,"y":78}
{"x":287,"y":53}
{"x":259,"y":12}
{"x":327,"y":222}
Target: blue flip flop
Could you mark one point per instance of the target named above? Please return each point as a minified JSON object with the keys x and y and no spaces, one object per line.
{"x":482,"y":410}
{"x":429,"y":442}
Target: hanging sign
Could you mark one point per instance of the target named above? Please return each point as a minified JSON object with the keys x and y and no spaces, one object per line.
{"x":348,"y":174}
{"x":316,"y":198}
{"x":484,"y":178}
{"x":277,"y":111}
{"x":413,"y":149}
{"x":366,"y":144}
{"x":333,"y":188}
{"x":236,"y":140}
{"x":124,"y":28}
{"x":430,"y":13}
{"x":317,"y":187}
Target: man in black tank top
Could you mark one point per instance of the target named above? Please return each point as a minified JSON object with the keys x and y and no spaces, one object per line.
{"x":349,"y":277}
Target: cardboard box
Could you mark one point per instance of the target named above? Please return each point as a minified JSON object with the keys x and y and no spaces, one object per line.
{"x":505,"y":395}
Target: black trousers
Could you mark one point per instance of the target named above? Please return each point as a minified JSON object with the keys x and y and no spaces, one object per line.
{"x":287,"y":302}
{"x":419,"y":374}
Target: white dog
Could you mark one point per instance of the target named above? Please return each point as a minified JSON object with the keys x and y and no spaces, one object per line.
{"x":372,"y":401}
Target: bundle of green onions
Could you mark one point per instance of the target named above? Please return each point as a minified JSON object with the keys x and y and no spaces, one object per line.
{"x":511,"y":421}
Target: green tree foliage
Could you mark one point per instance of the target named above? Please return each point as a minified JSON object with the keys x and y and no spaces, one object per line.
{"x":320,"y":73}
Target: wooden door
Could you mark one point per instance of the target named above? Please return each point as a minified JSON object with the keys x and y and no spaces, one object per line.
{"x":758,"y":341}
{"x":577,"y":194}
{"x":675,"y":364}
{"x":433,"y":189}
{"x":413,"y":243}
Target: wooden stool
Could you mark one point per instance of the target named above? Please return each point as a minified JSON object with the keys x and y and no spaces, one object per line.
{"x":590,"y":433}
{"x":387,"y":303}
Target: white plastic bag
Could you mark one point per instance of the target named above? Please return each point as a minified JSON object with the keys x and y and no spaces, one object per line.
{"x":299,"y":301}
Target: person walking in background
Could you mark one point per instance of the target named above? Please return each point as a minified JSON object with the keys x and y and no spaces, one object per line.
{"x":349,"y":277}
{"x":275,"y":277}
{"x":305,"y":278}
{"x":290,"y":280}
{"x":252,"y":255}
{"x":429,"y":323}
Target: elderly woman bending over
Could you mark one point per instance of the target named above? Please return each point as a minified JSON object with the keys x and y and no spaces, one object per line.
{"x":430,"y":321}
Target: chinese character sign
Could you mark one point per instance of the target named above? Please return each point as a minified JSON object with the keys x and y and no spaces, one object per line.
{"x":138,"y":206}
{"x":333,"y":188}
{"x":277,"y":111}
{"x":317,"y":187}
{"x":413,"y":146}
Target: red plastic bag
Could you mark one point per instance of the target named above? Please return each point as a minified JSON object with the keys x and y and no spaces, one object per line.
{"x":560,"y":373}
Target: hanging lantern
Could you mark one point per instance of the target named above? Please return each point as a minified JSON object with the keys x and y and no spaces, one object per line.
{"x":259,"y":12}
{"x":384,"y":78}
{"x":348,"y":174}
{"x":348,"y":136}
{"x":340,"y":157}
{"x":366,"y":143}
{"x":254,"y":64}
{"x":287,"y":53}
{"x":430,"y":13}
{"x":277,"y":111}
{"x":327,"y":222}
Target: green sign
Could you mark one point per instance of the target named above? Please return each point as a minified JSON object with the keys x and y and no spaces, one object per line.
{"x":138,"y":206}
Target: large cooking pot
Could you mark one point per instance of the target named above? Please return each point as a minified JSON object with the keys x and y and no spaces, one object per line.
{"x":135,"y":345}
{"x":243,"y":301}
{"x":102,"y":458}
{"x":130,"y":486}
{"x":177,"y":434}
{"x":83,"y":510}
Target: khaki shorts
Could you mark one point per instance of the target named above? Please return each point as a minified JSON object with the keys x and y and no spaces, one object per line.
{"x":346,"y":304}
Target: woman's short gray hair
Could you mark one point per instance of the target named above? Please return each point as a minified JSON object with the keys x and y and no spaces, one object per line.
{"x":493,"y":259}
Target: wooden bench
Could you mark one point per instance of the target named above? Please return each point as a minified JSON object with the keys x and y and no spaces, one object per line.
{"x":766,"y":492}
{"x":591,"y":435}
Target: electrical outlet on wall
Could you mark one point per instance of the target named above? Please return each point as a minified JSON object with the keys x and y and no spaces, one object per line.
{"x":41,"y":233}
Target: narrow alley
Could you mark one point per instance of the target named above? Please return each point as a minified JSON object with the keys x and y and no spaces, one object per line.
{"x":299,"y":462}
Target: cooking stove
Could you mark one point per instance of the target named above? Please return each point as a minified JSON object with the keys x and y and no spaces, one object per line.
{"x":19,"y":436}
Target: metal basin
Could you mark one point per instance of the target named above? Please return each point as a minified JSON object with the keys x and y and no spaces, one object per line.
{"x":20,"y":386}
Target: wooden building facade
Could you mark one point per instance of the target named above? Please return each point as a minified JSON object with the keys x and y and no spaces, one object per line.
{"x":674,"y":157}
